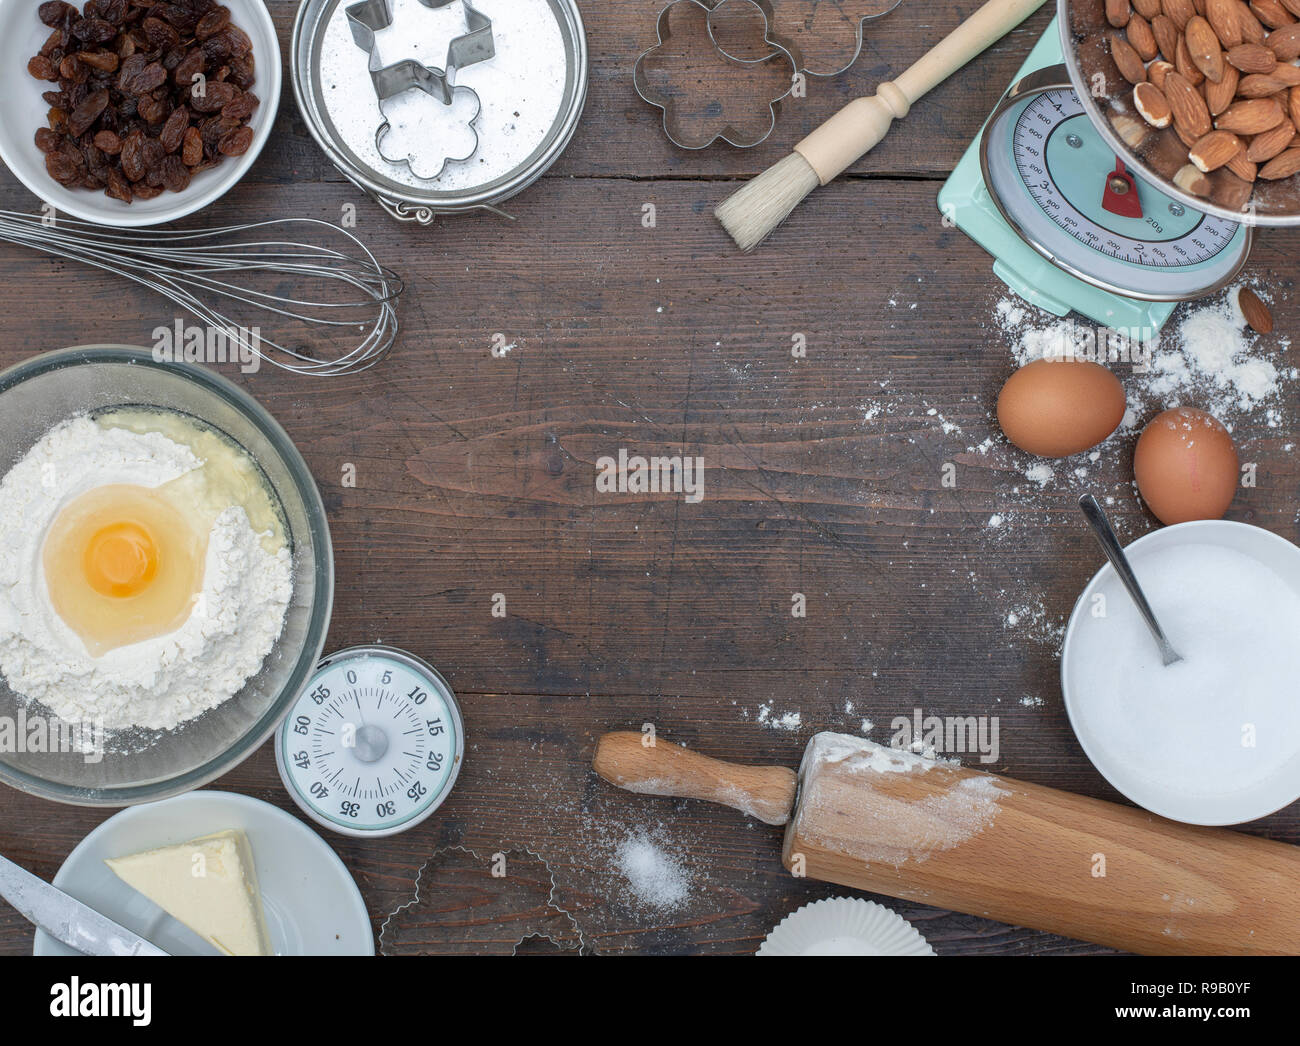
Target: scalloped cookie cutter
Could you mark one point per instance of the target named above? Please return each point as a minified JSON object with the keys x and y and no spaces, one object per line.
{"x":793,"y":21}
{"x":476,"y":44}
{"x":666,"y":102}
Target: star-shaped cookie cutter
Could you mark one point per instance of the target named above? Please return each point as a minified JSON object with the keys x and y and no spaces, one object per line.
{"x":476,"y":44}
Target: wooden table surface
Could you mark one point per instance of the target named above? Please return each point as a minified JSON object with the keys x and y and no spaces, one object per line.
{"x":475,"y":476}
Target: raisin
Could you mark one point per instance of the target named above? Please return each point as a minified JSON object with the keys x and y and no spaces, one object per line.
{"x":213,"y":96}
{"x":118,"y":187}
{"x":172,"y":136}
{"x":133,"y":157}
{"x":212,"y":23}
{"x":94,"y":31}
{"x":192,"y":63}
{"x":192,"y":150}
{"x":84,"y":115}
{"x":42,"y":68}
{"x":108,"y":142}
{"x":55,"y":41}
{"x":105,"y":61}
{"x":151,"y":76}
{"x":175,"y":175}
{"x":161,"y":35}
{"x":56,"y":12}
{"x":146,"y":192}
{"x":237,"y":142}
{"x":241,"y":108}
{"x":46,"y":140}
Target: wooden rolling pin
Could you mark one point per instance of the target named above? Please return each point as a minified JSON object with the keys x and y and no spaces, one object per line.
{"x":875,"y":818}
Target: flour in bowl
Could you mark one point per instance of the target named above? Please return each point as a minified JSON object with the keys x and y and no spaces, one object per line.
{"x":144,"y":570}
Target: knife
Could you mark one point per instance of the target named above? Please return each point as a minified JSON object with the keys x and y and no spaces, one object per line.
{"x":67,"y":919}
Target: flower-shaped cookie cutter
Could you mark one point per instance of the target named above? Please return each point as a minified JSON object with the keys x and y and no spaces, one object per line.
{"x":370,"y":17}
{"x":825,"y":36}
{"x":669,"y":96}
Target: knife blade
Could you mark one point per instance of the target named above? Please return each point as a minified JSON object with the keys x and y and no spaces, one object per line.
{"x":67,"y":919}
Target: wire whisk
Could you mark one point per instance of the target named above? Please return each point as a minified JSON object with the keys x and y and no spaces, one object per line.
{"x":205,"y":270}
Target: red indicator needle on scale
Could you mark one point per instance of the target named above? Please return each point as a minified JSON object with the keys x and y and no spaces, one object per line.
{"x":1120,"y":195}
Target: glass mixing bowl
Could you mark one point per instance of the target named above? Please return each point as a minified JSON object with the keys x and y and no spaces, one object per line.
{"x":144,"y":765}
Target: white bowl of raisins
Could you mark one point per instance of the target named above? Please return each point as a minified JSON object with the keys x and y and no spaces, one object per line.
{"x":135,"y":112}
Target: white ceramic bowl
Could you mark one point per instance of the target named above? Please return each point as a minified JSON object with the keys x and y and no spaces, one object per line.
{"x":1280,"y":789}
{"x":22,"y":111}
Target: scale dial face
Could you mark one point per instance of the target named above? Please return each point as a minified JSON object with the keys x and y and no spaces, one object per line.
{"x":373,"y":744}
{"x":1046,"y":168}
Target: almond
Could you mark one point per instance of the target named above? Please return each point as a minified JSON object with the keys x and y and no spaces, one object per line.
{"x":1257,"y":85}
{"x":1151,"y":105}
{"x":1191,"y":180}
{"x":1242,"y":166}
{"x":1252,"y":116}
{"x":1254,"y":311}
{"x":1286,"y":72}
{"x":1130,"y":66}
{"x":1117,"y":13}
{"x":1148,"y":9}
{"x":1156,"y":72}
{"x":1166,"y":34}
{"x":1138,"y":33}
{"x":1271,"y":13}
{"x":1184,"y":64}
{"x":1221,"y":95}
{"x":1284,"y":42}
{"x":1293,"y":6}
{"x":1222,"y":16}
{"x":1191,"y":116}
{"x":1252,"y":58}
{"x":1252,"y":30}
{"x":1293,"y":105}
{"x":1131,"y":132}
{"x":1229,"y":191}
{"x":1281,"y":166}
{"x":1263,"y":147}
{"x":1214,"y":150}
{"x":1203,"y":45}
{"x":1179,"y":12}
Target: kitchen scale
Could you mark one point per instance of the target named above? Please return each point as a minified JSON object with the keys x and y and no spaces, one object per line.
{"x":1068,"y":226}
{"x":373,"y":744}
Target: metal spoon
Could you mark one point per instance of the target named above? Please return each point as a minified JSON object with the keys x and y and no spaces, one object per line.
{"x":1109,"y":542}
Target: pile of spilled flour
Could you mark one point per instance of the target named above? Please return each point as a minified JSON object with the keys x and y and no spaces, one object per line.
{"x":1206,"y":357}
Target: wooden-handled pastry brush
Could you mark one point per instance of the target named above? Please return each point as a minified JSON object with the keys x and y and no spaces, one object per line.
{"x":752,"y":212}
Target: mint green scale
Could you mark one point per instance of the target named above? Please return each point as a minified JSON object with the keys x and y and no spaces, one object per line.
{"x":1029,"y":191}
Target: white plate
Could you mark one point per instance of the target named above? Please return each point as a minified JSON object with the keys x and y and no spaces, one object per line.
{"x":1168,"y":800}
{"x":312,"y":905}
{"x":22,"y":111}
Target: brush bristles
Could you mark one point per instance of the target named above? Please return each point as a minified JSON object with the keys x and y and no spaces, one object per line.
{"x":763,"y":203}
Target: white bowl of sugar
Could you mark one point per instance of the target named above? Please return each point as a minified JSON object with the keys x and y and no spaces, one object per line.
{"x":1214,"y":739}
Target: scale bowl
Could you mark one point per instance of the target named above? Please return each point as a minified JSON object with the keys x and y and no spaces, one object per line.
{"x":1160,"y":153}
{"x":144,"y":765}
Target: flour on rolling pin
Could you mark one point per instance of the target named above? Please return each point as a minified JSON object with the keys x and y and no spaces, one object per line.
{"x":872,"y":822}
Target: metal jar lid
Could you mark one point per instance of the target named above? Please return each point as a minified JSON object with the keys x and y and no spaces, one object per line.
{"x":531,"y":92}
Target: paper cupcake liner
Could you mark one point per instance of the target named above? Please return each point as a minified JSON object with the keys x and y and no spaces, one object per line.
{"x":844,"y":926}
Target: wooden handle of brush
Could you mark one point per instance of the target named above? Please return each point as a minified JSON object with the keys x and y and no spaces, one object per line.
{"x":648,"y":765}
{"x":856,"y":128}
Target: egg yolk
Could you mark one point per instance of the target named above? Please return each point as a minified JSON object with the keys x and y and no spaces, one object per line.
{"x":120,"y":559}
{"x":123,"y":564}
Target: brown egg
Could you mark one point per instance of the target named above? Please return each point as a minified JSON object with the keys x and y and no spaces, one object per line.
{"x":1186,"y":466}
{"x":1054,"y":408}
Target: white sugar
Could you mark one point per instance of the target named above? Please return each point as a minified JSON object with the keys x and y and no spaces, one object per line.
{"x":1225,"y":718}
{"x":659,"y":881}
